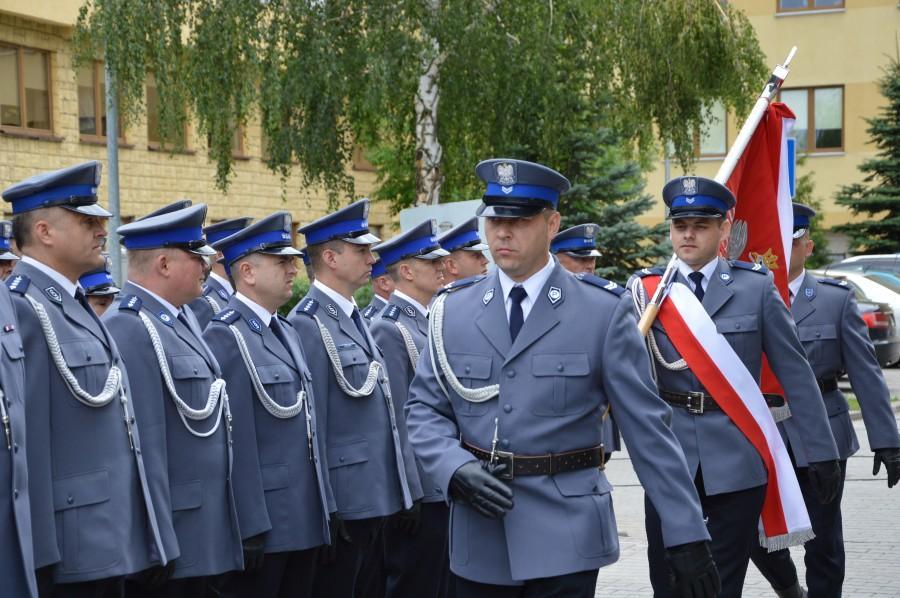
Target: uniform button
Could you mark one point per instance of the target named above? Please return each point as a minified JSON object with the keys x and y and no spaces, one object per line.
{"x":341,"y":459}
{"x":88,"y":357}
{"x":21,"y":347}
{"x":507,"y":408}
{"x":277,"y":376}
{"x":737,"y":326}
{"x":505,"y":443}
{"x":15,"y":494}
{"x":195,"y":370}
{"x":70,"y":499}
{"x":15,"y":447}
{"x":560,"y":367}
{"x":510,"y":373}
{"x":137,"y":450}
{"x":468,"y":369}
{"x":818,"y":334}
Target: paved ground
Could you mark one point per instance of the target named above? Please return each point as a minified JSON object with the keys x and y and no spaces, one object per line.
{"x":871,"y":530}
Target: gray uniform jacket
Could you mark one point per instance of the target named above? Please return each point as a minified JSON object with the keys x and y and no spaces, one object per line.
{"x":835,"y":339}
{"x":373,"y":309}
{"x":280,"y":488}
{"x":210,"y":303}
{"x":400,"y":368}
{"x":747,"y":310}
{"x":189,"y":475}
{"x":371,"y":469}
{"x":16,"y":550}
{"x":91,"y":511}
{"x":578,"y":351}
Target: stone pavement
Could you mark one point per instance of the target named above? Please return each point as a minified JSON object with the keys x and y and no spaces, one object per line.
{"x":871,"y":534}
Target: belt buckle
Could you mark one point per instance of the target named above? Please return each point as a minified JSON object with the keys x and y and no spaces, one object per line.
{"x":509,"y":459}
{"x":695,"y":402}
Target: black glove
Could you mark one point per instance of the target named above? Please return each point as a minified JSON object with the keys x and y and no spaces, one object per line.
{"x":475,"y":484}
{"x":254,"y":552}
{"x":825,"y":477}
{"x":155,"y":576}
{"x":694,"y":573}
{"x":409,"y":520}
{"x":328,"y":553}
{"x":891,"y":459}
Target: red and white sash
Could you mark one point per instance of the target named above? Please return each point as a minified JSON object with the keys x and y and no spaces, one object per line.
{"x":784,"y":521}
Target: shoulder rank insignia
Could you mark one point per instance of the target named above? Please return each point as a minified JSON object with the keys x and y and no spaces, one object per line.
{"x":606,"y":285}
{"x":369,"y":311}
{"x":53,"y":293}
{"x":655,"y":271}
{"x":18,"y":283}
{"x":461,"y":284}
{"x":308,"y":306}
{"x":391,"y":312}
{"x":255,"y":325}
{"x":228,"y":316}
{"x":751,"y":266}
{"x":222,"y":294}
{"x":165,"y":318}
{"x":132,"y":302}
{"x":835,"y":282}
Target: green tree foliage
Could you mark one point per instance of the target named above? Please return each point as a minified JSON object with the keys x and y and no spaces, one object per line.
{"x":878,"y":197}
{"x":326,"y":76}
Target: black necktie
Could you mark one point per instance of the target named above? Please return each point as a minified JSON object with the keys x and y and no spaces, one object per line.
{"x":82,"y":299}
{"x":183,"y":319}
{"x":697,"y":278}
{"x":516,"y":315}
{"x":278,"y":331}
{"x":357,"y":319}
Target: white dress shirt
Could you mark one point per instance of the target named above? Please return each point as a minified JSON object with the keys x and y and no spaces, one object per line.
{"x":794,"y":285}
{"x":258,"y":309}
{"x":532,"y":286}
{"x":67,"y":285}
{"x":173,"y":311}
{"x":345,"y":305}
{"x":422,"y":309}
{"x":706,"y":270}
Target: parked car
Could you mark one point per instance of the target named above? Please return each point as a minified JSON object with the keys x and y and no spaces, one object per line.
{"x":873,"y":289}
{"x":889,"y":262}
{"x":891,"y":281}
{"x":878,"y":316}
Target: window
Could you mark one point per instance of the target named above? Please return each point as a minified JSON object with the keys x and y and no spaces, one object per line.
{"x":712,"y":139}
{"x":237,"y":143}
{"x":820,"y":117}
{"x":359,"y":160}
{"x":92,"y":103}
{"x":153,"y":136}
{"x":25,"y":89}
{"x":800,"y":5}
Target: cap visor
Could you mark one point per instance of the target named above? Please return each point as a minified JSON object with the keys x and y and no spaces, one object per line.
{"x":366,"y":239}
{"x":89,"y":210}
{"x":507,"y":211}
{"x":799,"y":233}
{"x":476,"y":247}
{"x":433,"y":255}
{"x":8,"y":255}
{"x":204,"y":250}
{"x":695,"y":214}
{"x":586,"y":253}
{"x":110,"y":290}
{"x":288,"y":250}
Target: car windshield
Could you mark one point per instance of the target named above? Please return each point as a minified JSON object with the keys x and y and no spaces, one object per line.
{"x":887,"y":279}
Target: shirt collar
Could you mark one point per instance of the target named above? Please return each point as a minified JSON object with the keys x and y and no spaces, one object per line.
{"x":422,"y":309}
{"x":532,"y":285}
{"x":226,"y":284}
{"x":795,"y":284}
{"x":174,"y":311}
{"x":708,"y":270}
{"x":67,"y":285}
{"x":346,"y":305}
{"x":255,"y":307}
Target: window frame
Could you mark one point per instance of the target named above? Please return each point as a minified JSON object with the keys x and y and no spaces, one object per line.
{"x":697,"y":138}
{"x":161,"y":146}
{"x":811,"y":118}
{"x":97,"y":71}
{"x":23,"y":104}
{"x":810,"y":7}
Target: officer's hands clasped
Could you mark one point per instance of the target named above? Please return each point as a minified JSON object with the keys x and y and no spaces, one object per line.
{"x":694,"y":573}
{"x":474,"y":484}
{"x":409,"y":521}
{"x":825,"y":477}
{"x":891,"y":459}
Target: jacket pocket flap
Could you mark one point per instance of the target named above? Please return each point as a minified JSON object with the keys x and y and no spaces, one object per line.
{"x":835,"y":403}
{"x":352,"y":355}
{"x":477,"y":367}
{"x":274,"y":374}
{"x":560,"y":364}
{"x":187,"y":496}
{"x":188,"y":366}
{"x":12,"y":343}
{"x":348,"y":454}
{"x":275,"y":477}
{"x":582,"y":482}
{"x":81,"y":490}
{"x":819,"y":332}
{"x":84,"y":352}
{"x":734,"y":324}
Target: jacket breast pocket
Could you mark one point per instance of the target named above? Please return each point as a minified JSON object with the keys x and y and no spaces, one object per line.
{"x":559,"y":383}
{"x":12,"y":345}
{"x":347,"y":464}
{"x":277,"y":380}
{"x":354,"y":363}
{"x":589,"y":511}
{"x":85,"y":516}
{"x":89,"y":363}
{"x":192,"y":378}
{"x":740,"y":332}
{"x":473,"y":371}
{"x":820,"y":342}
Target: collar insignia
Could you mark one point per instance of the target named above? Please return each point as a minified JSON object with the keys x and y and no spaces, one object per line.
{"x":554,"y":294}
{"x":332,"y":310}
{"x":410,"y":311}
{"x":488,"y":296}
{"x":166,"y":318}
{"x":53,"y":294}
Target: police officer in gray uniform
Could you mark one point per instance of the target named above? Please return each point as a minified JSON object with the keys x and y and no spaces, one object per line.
{"x":93,"y":520}
{"x":8,"y":259}
{"x":16,"y":550}
{"x":278,"y":476}
{"x":836,"y":341}
{"x":180,"y":397}
{"x":415,"y":541}
{"x":744,"y":304}
{"x":217,"y":290}
{"x":576,"y":248}
{"x":371,"y":468}
{"x":99,"y":287}
{"x":382,"y":287}
{"x":504,"y":412}
{"x":466,"y":250}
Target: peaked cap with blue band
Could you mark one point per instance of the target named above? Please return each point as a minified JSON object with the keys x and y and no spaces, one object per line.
{"x":350,"y":224}
{"x":697,"y":197}
{"x":270,"y":235}
{"x":73,"y":188}
{"x":218,"y":231}
{"x":577,"y":241}
{"x":6,"y":233}
{"x":378,"y":269}
{"x":518,"y":189}
{"x":99,"y":281}
{"x":419,"y":241}
{"x":463,"y":236}
{"x":176,"y":205}
{"x":803,"y":216}
{"x":179,"y":229}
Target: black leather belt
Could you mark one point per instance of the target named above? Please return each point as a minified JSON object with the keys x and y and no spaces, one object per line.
{"x":827,"y":384}
{"x":517,"y":465}
{"x":700,"y":402}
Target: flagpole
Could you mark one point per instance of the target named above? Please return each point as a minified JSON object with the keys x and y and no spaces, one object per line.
{"x":773,"y":85}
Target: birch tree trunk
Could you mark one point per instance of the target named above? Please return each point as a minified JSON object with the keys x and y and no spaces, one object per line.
{"x":429,"y":152}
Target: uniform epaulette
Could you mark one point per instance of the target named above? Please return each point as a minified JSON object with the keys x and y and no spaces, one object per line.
{"x":369,"y":311}
{"x":18,"y":283}
{"x":132,"y":302}
{"x":391,"y":312}
{"x":835,"y":282}
{"x":655,"y":271}
{"x":462,"y":283}
{"x":751,"y":266}
{"x":308,"y":306}
{"x":607,"y":285}
{"x":227,"y":316}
